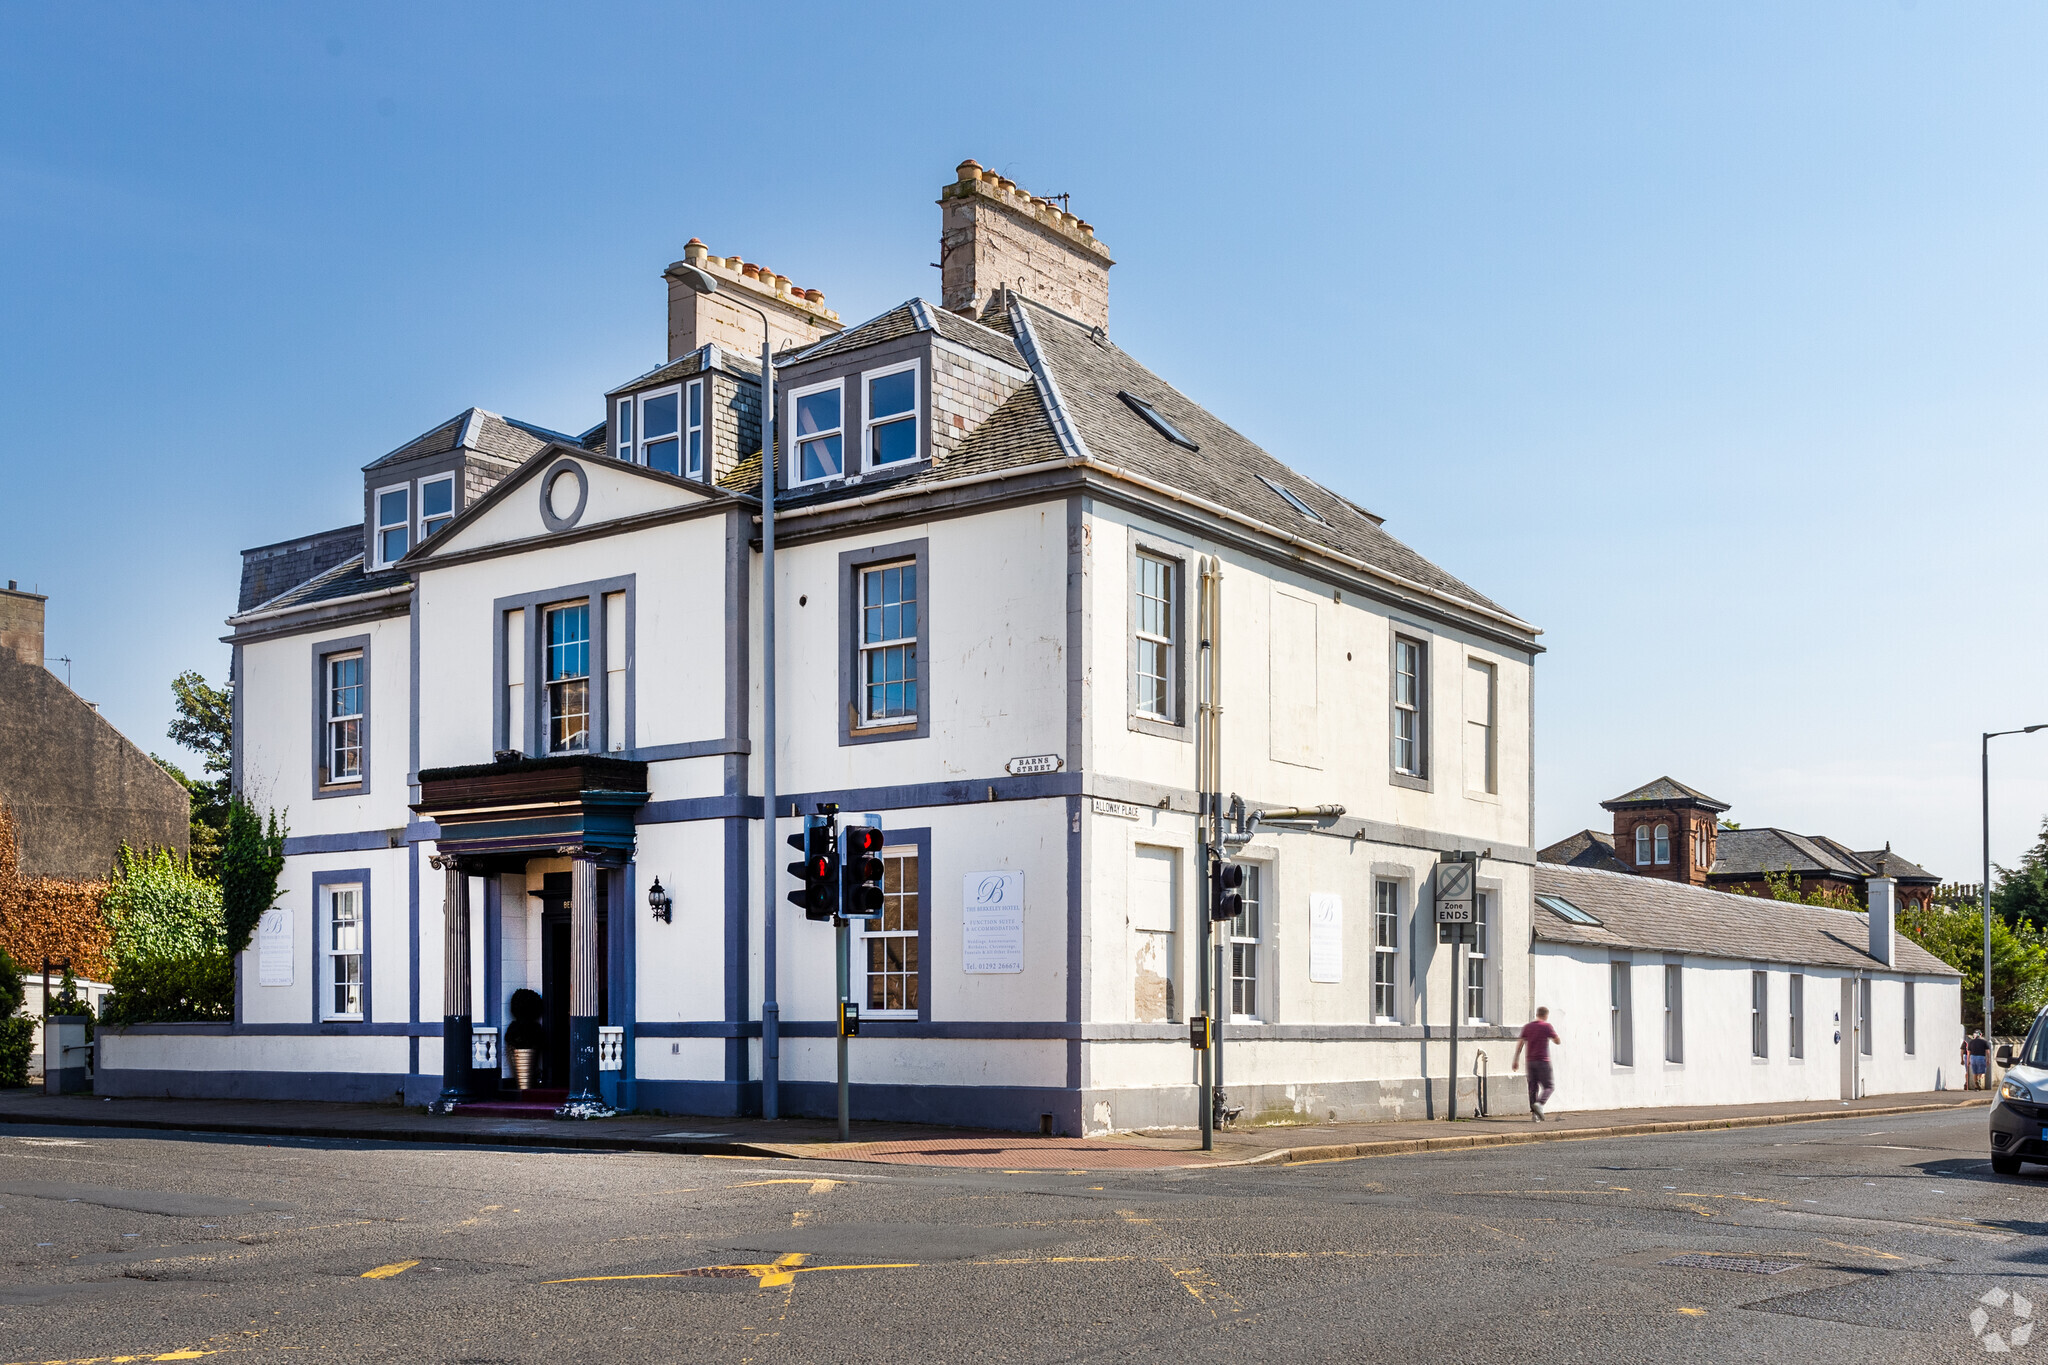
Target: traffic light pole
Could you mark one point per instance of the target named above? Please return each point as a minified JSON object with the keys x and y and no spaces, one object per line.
{"x":843,"y":932}
{"x":1204,"y":993}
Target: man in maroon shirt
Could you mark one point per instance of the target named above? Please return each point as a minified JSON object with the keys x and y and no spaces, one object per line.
{"x":1537,"y":1036}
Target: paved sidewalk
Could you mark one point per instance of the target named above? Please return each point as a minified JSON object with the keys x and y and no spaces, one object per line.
{"x":912,"y":1144}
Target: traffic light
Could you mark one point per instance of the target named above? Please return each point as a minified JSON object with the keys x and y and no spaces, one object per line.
{"x":1228,"y":902}
{"x":817,"y":867}
{"x":860,"y":873}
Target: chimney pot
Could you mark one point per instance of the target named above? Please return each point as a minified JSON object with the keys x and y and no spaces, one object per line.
{"x":751,"y":271}
{"x":695,"y":252}
{"x":815,"y":295}
{"x":781,"y":283}
{"x":969,"y":169}
{"x":994,"y":233}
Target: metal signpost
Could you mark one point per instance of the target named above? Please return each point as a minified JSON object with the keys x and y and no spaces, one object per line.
{"x":1454,"y":907}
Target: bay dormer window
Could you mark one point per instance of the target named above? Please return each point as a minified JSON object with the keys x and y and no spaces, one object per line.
{"x":394,"y":524}
{"x":890,"y":416}
{"x":820,"y":432}
{"x":660,"y":443}
{"x":437,"y":504}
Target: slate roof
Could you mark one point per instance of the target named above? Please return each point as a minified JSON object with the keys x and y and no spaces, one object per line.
{"x":1587,"y":848}
{"x":682,"y":367}
{"x":1653,"y":915}
{"x":489,"y":434}
{"x":343,"y":580}
{"x":1663,"y":791}
{"x":1755,"y":851}
{"x":1087,"y":371}
{"x":907,"y":319}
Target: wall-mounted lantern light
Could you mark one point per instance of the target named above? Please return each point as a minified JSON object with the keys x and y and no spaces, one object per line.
{"x":658,"y":902}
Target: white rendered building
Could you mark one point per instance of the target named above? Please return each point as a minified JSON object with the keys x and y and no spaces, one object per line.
{"x":1010,"y":560}
{"x":1669,"y":994}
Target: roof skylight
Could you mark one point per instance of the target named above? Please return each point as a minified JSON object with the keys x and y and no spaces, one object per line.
{"x":1565,"y":910}
{"x":1296,"y":503}
{"x":1159,"y":423}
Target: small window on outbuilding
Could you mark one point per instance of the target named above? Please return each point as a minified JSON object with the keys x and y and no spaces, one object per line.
{"x":1159,"y":423}
{"x":1565,"y":910}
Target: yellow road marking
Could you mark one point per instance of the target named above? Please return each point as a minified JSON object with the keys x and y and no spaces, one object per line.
{"x":817,"y":1186}
{"x":1202,"y":1285}
{"x":1694,"y":1312}
{"x":385,"y":1272}
{"x":1872,"y":1251}
{"x":110,"y":1360}
{"x":796,"y":1219}
{"x":1131,"y":1216}
{"x":779,"y":1272}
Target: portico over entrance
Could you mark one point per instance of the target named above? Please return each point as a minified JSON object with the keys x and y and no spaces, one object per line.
{"x":496,"y":818}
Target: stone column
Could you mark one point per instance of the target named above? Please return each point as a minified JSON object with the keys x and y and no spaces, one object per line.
{"x":584,"y":1101}
{"x":455,"y":991}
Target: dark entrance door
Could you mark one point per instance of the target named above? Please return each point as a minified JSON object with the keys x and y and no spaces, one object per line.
{"x":554,"y":971}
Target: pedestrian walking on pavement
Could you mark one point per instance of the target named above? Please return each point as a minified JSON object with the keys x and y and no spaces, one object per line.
{"x":1537,"y":1036}
{"x":1979,"y":1049}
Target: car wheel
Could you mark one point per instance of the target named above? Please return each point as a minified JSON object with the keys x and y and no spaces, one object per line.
{"x":2005,"y":1165}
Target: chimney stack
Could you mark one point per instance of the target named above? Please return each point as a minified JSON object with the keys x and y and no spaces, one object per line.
{"x":994,"y":236}
{"x":1883,"y":917}
{"x":796,"y":316}
{"x":21,"y":623}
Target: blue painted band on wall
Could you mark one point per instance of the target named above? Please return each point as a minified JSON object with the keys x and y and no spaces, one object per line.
{"x":357,"y":842}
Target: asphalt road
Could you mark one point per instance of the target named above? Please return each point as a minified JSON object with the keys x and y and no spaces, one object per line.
{"x":1884,"y":1234}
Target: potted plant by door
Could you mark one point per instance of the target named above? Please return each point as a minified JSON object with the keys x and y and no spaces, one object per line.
{"x":524,"y":1037}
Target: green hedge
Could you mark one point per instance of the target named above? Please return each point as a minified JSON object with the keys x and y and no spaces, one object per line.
{"x":17,"y":1040}
{"x":172,"y":990}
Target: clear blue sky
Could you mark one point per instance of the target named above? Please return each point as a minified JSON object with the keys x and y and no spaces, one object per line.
{"x":1709,"y":338}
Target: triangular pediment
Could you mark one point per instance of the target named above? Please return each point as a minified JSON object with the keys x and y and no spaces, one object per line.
{"x":564,"y":490}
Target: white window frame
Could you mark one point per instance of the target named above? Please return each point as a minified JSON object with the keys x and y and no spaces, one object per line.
{"x":623,"y":430}
{"x":327,"y":688}
{"x":419,"y":498}
{"x":1386,"y":951}
{"x":378,"y":526}
{"x":1244,"y":947}
{"x":1621,"y":1021}
{"x":1417,"y":709}
{"x":331,"y":957}
{"x":1642,"y":845}
{"x":868,"y":424}
{"x":1169,"y":646}
{"x":696,"y":439}
{"x":914,"y":898}
{"x":1479,"y":958}
{"x":1674,"y":1014}
{"x":1795,"y":1010}
{"x":1662,"y":838}
{"x":795,"y":443}
{"x":640,"y":441}
{"x":1759,"y":1014}
{"x":865,"y":719}
{"x":548,"y":684}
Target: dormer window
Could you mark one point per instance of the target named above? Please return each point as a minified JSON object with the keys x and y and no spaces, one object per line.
{"x":820,"y":432}
{"x":394,"y":524}
{"x":437,"y":504}
{"x":891,"y":416}
{"x":663,"y":430}
{"x":1159,"y":423}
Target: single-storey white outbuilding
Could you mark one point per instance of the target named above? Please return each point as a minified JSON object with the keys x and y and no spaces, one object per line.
{"x":1671,"y":994}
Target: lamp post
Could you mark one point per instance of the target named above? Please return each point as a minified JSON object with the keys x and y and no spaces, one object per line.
{"x":771,"y":1009}
{"x":1984,"y":756}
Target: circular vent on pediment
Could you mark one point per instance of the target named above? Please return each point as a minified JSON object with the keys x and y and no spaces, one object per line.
{"x":564,"y":491}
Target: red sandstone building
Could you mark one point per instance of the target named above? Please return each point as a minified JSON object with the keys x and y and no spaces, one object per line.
{"x":1666,"y":829}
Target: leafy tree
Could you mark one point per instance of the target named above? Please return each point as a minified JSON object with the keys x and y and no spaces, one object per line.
{"x":205,"y":724}
{"x":11,"y":992}
{"x":159,"y":907}
{"x":2019,"y":962}
{"x":1790,"y":886}
{"x":172,"y":990}
{"x":251,"y":857}
{"x":2020,"y":894}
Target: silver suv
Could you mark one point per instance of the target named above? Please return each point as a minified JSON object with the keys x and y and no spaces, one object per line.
{"x":2019,"y":1112}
